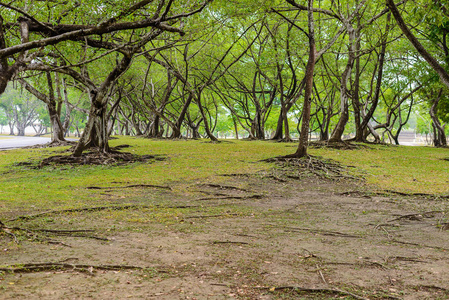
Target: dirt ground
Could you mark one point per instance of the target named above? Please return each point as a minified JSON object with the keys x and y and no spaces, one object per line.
{"x":263,"y":236}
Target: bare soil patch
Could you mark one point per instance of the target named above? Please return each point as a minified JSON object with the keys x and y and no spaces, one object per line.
{"x":290,"y":233}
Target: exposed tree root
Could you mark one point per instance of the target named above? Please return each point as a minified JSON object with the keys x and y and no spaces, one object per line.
{"x":390,"y":192}
{"x":235,"y":175}
{"x":229,"y":242}
{"x":96,"y":157}
{"x":419,"y":245}
{"x":315,"y":290}
{"x":286,"y":140}
{"x":211,"y":216}
{"x":344,"y":145}
{"x":323,"y":232}
{"x":223,"y":187}
{"x":319,"y":167}
{"x":34,"y":234}
{"x":40,"y":267}
{"x":212,"y":193}
{"x":90,"y":209}
{"x":433,"y":287}
{"x":417,"y":216}
{"x":393,"y":259}
{"x":128,"y":187}
{"x":231,"y":197}
{"x":415,"y":194}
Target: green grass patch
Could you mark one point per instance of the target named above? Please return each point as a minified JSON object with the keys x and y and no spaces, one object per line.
{"x":398,"y":168}
{"x":406,"y":169}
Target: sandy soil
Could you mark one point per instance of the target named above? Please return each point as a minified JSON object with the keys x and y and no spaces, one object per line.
{"x":281,"y":238}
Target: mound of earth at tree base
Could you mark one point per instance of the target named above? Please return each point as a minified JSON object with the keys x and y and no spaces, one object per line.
{"x":344,"y":145}
{"x":95,"y":157}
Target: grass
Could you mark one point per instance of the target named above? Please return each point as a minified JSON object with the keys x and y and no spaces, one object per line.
{"x":398,"y":168}
{"x":405,"y":169}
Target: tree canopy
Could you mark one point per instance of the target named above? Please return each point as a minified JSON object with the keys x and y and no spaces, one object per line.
{"x":352,"y":69}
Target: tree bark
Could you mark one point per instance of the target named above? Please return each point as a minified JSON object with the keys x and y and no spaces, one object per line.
{"x":439,"y":136}
{"x":95,"y":133}
{"x":360,"y":132}
{"x":304,"y":136}
{"x":344,"y":98}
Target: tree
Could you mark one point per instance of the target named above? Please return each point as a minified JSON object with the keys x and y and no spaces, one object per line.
{"x":127,"y":17}
{"x":440,"y":70}
{"x":21,"y":109}
{"x":308,"y":78}
{"x":53,"y":103}
{"x":23,"y":19}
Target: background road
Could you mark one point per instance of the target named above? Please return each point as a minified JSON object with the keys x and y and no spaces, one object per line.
{"x":12,"y":142}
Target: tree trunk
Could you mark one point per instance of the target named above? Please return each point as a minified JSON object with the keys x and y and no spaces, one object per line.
{"x":235,"y":128}
{"x":206,"y":124}
{"x":356,"y":95}
{"x":54,"y":112}
{"x":95,"y":134}
{"x":177,"y":129}
{"x":439,"y":134}
{"x":344,"y":98}
{"x":304,"y":136}
{"x":369,"y":115}
{"x":21,"y":130}
{"x":11,"y":128}
{"x":58,"y":131}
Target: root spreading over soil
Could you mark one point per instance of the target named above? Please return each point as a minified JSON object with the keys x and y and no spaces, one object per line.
{"x":96,"y":157}
{"x":337,"y":145}
{"x":295,"y":168}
